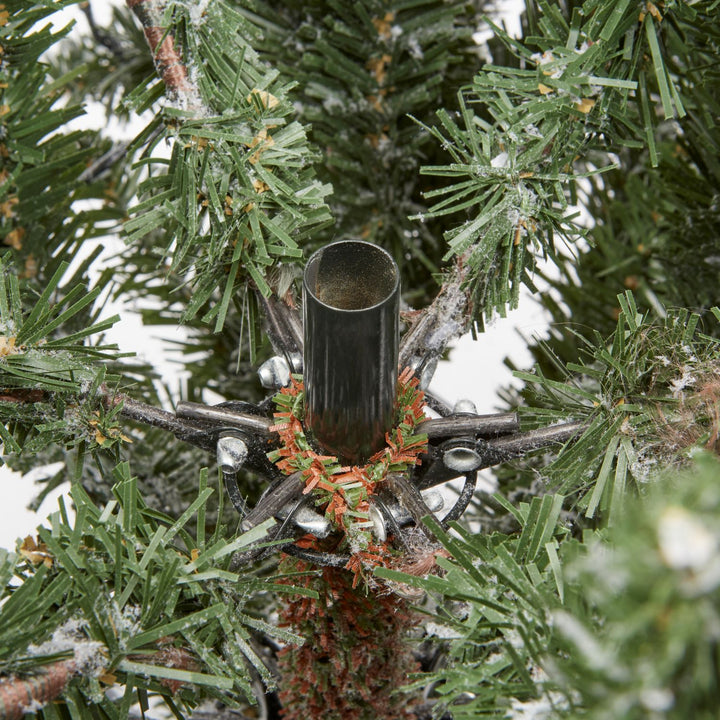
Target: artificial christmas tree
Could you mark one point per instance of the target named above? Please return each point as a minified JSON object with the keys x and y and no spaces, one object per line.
{"x":588,"y":584}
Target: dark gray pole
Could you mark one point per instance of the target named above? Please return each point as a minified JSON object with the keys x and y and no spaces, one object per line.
{"x":351,"y":303}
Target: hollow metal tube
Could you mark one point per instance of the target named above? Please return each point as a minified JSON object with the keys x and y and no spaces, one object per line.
{"x":351,"y":302}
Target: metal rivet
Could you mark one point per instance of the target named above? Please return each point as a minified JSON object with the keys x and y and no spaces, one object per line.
{"x":465,"y":405}
{"x":462,"y":459}
{"x":232,"y":453}
{"x":433,"y":499}
{"x":274,"y":373}
{"x":378,"y":521}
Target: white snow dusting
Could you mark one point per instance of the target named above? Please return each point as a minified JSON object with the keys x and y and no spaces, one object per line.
{"x":89,"y":656}
{"x":546,"y":706}
{"x":686,"y":379}
{"x":444,"y":632}
{"x":501,"y":160}
{"x":685,"y":543}
{"x":414,"y":48}
{"x":196,"y":11}
{"x":657,"y":699}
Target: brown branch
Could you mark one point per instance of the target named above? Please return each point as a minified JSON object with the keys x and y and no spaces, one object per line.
{"x":170,"y":657}
{"x":141,"y":412}
{"x":19,"y":696}
{"x":22,"y":395}
{"x":22,"y":695}
{"x":168,"y":60}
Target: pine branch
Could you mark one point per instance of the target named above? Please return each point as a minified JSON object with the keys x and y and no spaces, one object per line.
{"x":647,"y":395}
{"x":117,"y":72}
{"x":541,"y":614}
{"x":142,"y":602}
{"x":644,"y":213}
{"x":433,"y":328}
{"x":46,"y":364}
{"x":510,"y":174}
{"x":40,"y":160}
{"x":238,"y":195}
{"x":363,"y":69}
{"x":532,"y":620}
{"x":496,"y":648}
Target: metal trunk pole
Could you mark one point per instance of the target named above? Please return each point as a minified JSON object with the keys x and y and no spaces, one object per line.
{"x":351,"y":303}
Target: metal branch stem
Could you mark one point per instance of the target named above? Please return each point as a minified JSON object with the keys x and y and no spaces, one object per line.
{"x":463,"y":500}
{"x":274,"y":499}
{"x":410,"y":498}
{"x":436,"y":404}
{"x":497,"y":450}
{"x":389,"y":520}
{"x":441,"y":322}
{"x":285,"y":531}
{"x":284,"y":329}
{"x":150,"y":415}
{"x":233,"y":491}
{"x":213,"y":415}
{"x":533,"y":439}
{"x":461,"y":425}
